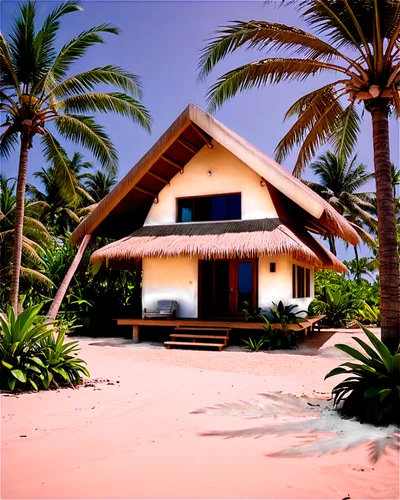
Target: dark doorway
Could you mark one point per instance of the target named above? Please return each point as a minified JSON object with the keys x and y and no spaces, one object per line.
{"x":224,"y":286}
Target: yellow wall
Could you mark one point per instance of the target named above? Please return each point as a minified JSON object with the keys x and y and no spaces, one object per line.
{"x":228,"y":175}
{"x":171,"y":279}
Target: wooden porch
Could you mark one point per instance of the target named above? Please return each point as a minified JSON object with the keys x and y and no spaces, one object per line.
{"x":203,"y":327}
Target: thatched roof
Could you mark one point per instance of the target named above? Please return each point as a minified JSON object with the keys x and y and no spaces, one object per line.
{"x":239,"y":239}
{"x":126,"y":207}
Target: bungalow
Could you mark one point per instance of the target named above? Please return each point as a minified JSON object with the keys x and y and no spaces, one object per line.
{"x":215,"y":223}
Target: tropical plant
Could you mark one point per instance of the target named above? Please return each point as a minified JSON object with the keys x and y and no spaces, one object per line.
{"x":99,"y":184}
{"x":369,"y":314}
{"x":371,"y":392}
{"x":62,"y":211}
{"x":21,"y":363}
{"x":61,"y":361}
{"x":339,"y":305}
{"x":255,"y":344}
{"x":286,"y":315}
{"x":35,"y":240}
{"x":31,"y":357}
{"x":38,"y":90}
{"x":360,"y":52}
{"x":278,"y":338}
{"x":339,"y":179}
{"x":251,"y":313}
{"x":359,"y":267}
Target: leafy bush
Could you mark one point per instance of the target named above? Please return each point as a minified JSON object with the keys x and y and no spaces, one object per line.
{"x":255,"y":344}
{"x":251,"y":313}
{"x":369,"y":314}
{"x":61,"y":361}
{"x":339,"y":305}
{"x":278,"y":338}
{"x":372,"y":391}
{"x":285,"y":315}
{"x":30,"y":357}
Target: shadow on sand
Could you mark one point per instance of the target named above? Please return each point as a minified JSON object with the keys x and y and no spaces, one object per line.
{"x":314,"y":427}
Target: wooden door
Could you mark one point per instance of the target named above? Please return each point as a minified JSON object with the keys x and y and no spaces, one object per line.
{"x":224,"y":285}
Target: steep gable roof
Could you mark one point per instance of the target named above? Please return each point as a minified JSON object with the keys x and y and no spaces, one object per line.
{"x":125,"y":208}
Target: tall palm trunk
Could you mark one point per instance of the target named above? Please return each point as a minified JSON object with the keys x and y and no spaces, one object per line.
{"x":358,"y":275}
{"x":389,"y":275}
{"x":55,"y":305}
{"x":19,"y":221}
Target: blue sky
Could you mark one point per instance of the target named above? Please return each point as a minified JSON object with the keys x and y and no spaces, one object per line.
{"x":160,"y":41}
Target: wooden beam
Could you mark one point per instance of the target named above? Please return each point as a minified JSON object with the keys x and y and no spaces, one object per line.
{"x":202,"y":135}
{"x":145,"y":191}
{"x":187,"y":145}
{"x":172,"y":162}
{"x":158,"y":177}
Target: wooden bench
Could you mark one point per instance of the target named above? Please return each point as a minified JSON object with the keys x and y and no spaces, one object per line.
{"x":316,"y":321}
{"x":172,"y":343}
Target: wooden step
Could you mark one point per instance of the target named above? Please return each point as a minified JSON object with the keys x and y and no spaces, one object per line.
{"x":201,"y":336}
{"x":201,"y":329}
{"x":191,"y":336}
{"x":170,"y":343}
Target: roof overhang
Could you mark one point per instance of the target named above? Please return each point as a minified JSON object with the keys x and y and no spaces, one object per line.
{"x":226,"y":240}
{"x":125,"y":208}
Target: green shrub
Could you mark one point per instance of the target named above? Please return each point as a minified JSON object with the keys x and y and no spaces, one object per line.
{"x":339,"y":305}
{"x":372,"y":391}
{"x":61,"y":361}
{"x":369,"y":314}
{"x":30,"y":357}
{"x":251,"y":313}
{"x":285,"y":315}
{"x":255,"y":344}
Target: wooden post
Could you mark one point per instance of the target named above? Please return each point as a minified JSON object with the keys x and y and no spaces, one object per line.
{"x":135,"y":334}
{"x":55,"y":305}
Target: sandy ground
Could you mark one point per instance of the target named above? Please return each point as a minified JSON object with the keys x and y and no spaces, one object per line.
{"x":134,"y":436}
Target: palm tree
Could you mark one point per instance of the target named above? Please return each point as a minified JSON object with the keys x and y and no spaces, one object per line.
{"x":361,"y":52}
{"x":360,"y":267}
{"x":62,"y":211}
{"x":38,"y":90}
{"x":99,"y":184}
{"x":35,"y":238}
{"x":339,"y":181}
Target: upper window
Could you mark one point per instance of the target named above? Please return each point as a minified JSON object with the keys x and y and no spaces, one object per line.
{"x":210,"y":208}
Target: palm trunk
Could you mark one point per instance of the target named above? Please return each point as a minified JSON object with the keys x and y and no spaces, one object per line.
{"x":332,"y":244}
{"x":19,"y":222}
{"x":358,"y":276}
{"x":55,"y":305}
{"x":389,"y":274}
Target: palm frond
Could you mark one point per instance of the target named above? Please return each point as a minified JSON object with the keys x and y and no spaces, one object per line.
{"x":307,"y":109}
{"x":87,"y":80}
{"x":345,"y":134}
{"x":9,"y":78}
{"x":55,"y":154}
{"x":365,"y":237}
{"x":44,"y":40}
{"x":114,"y":102}
{"x":85,"y":131}
{"x":8,"y":142}
{"x":22,"y":43}
{"x":36,"y":277}
{"x":262,"y":35}
{"x":258,"y":73}
{"x":318,"y":135}
{"x":71,"y":52}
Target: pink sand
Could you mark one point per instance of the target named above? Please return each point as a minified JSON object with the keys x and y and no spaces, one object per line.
{"x":137,"y":438}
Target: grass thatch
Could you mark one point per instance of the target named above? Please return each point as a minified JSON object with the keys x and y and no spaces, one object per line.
{"x":313,"y":205}
{"x":239,"y":239}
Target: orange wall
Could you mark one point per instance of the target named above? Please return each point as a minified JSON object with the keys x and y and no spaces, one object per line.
{"x":228,"y":175}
